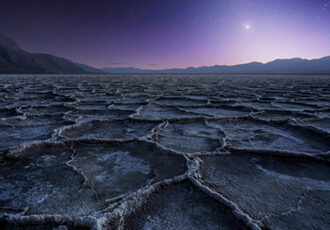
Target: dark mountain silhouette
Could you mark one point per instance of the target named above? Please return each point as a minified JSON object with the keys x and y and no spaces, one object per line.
{"x":90,"y":69}
{"x":15,"y":60}
{"x":279,"y":66}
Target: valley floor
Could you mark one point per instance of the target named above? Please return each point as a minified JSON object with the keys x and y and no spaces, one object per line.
{"x":164,"y":152}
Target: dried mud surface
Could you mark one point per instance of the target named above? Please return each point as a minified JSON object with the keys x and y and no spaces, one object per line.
{"x":164,"y":152}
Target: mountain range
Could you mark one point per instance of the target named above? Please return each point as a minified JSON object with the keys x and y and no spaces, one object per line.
{"x":14,"y":60}
{"x":278,"y":66}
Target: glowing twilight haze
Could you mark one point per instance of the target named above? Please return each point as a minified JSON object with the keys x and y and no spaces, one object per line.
{"x":158,"y":34}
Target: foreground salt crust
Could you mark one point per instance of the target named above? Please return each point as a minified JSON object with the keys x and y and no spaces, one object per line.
{"x":164,"y":152}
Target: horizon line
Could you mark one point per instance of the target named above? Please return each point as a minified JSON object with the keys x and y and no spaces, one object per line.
{"x":201,"y":66}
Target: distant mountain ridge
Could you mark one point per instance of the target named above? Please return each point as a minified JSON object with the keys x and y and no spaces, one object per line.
{"x":278,"y":66}
{"x":14,"y":60}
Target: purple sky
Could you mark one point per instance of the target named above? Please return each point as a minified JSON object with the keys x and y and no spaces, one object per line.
{"x":157,"y":34}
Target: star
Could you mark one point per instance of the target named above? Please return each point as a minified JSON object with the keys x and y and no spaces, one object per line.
{"x":247,"y":27}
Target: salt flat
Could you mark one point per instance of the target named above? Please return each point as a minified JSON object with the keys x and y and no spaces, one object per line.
{"x":164,"y":152}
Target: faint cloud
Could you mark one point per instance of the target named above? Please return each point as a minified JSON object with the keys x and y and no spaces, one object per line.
{"x":152,"y":65}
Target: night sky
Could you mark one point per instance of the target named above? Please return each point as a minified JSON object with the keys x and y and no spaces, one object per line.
{"x":159,"y":34}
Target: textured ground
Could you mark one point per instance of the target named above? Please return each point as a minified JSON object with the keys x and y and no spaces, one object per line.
{"x":164,"y":152}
